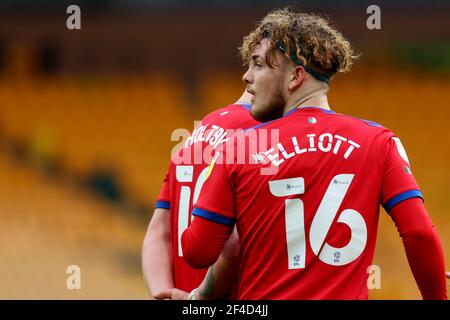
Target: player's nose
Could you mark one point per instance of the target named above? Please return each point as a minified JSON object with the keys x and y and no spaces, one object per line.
{"x":247,"y":77}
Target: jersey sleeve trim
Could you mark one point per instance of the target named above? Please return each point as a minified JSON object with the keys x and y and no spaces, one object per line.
{"x":402,"y":197}
{"x":162,"y":205}
{"x":218,"y":218}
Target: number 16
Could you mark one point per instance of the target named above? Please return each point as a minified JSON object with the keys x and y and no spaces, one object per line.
{"x":321,"y":224}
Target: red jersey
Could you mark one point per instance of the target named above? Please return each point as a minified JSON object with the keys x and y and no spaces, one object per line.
{"x":185,"y":177}
{"x":308,"y":229}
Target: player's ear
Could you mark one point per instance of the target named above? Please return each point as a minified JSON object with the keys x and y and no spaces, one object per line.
{"x":297,"y":77}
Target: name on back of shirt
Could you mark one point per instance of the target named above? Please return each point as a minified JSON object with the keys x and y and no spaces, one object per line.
{"x":214,"y":136}
{"x":326,"y":142}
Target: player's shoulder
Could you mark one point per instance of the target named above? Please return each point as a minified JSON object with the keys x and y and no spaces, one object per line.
{"x":360,"y":122}
{"x":337,"y":120}
{"x":228,"y":111}
{"x":363,"y":126}
{"x":232,"y":114}
{"x":370,"y":130}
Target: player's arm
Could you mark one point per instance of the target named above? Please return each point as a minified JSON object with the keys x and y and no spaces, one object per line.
{"x":157,"y":264}
{"x":220,"y":279}
{"x":423,"y":247}
{"x":157,"y":253}
{"x":203,"y":241}
{"x":402,"y":199}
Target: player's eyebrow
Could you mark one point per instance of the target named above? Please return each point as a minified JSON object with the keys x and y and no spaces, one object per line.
{"x":256,"y":57}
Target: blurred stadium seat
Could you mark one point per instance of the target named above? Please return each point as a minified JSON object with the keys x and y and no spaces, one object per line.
{"x":47,"y":226}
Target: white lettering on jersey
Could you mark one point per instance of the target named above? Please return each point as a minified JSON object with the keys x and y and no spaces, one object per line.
{"x":326,"y":142}
{"x":214,"y":136}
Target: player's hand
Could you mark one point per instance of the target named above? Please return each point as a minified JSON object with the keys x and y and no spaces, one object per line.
{"x":172,"y":294}
{"x":447,"y":274}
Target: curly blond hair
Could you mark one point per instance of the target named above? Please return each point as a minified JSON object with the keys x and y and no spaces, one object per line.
{"x":306,"y":39}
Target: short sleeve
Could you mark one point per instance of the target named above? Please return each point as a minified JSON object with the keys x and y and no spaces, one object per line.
{"x":163,"y":200}
{"x":399,"y":183}
{"x":216,"y":201}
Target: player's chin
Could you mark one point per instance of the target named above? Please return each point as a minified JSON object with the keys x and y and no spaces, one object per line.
{"x":265,"y":113}
{"x":257,"y":112}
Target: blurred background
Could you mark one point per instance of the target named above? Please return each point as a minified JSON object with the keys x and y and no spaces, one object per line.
{"x":86,"y":118}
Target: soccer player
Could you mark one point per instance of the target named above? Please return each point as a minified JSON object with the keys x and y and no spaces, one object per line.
{"x":163,"y":264}
{"x":308,"y":230}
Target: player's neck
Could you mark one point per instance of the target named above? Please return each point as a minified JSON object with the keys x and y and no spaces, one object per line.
{"x":246,"y":98}
{"x":314,"y":99}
